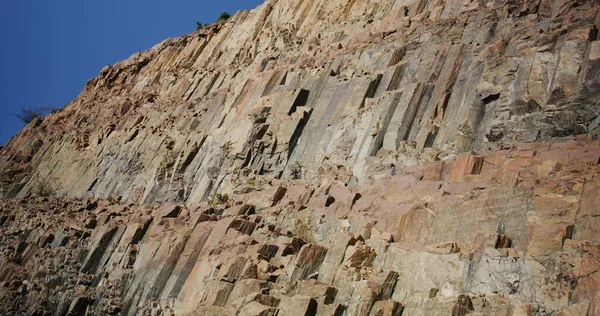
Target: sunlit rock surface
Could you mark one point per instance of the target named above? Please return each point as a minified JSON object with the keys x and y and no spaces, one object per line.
{"x":338,"y":157}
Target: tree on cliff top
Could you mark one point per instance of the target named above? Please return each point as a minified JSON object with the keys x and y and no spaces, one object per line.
{"x":29,"y":114}
{"x":224,"y":16}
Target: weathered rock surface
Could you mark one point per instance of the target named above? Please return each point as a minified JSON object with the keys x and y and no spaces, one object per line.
{"x":352,"y":89}
{"x":340,"y":157}
{"x":515,"y":236}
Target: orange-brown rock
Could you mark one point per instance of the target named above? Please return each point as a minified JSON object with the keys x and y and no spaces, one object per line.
{"x":394,"y":157}
{"x":319,"y":90}
{"x":517,"y":240}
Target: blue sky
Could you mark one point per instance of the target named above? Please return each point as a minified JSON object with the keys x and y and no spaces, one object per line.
{"x":51,"y":48}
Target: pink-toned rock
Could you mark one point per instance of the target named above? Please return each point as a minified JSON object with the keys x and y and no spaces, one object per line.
{"x":466,"y":164}
{"x":298,"y":306}
{"x":321,"y":158}
{"x":434,"y":171}
{"x":445,"y":248}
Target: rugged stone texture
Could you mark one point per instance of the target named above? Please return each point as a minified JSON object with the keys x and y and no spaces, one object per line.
{"x":516,"y":238}
{"x":407,"y":157}
{"x":344,"y":89}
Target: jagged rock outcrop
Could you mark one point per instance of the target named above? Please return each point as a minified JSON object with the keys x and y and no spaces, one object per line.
{"x":309,"y":157}
{"x":511,"y":232}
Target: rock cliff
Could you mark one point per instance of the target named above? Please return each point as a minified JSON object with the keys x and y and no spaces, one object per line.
{"x":321,"y":157}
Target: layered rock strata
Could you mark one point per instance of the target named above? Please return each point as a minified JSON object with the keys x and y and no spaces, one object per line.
{"x":511,"y":232}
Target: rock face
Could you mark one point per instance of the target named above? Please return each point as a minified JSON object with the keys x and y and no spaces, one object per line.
{"x":357,"y":88}
{"x":340,"y":157}
{"x":516,"y":236}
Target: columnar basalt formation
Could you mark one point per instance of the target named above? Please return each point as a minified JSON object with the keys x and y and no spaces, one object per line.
{"x":510,"y":232}
{"x":362,"y":87}
{"x":309,"y":157}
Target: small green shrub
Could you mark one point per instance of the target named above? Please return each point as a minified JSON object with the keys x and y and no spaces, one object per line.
{"x":224,"y":16}
{"x":114,"y":200}
{"x":199,"y":26}
{"x":220,"y":199}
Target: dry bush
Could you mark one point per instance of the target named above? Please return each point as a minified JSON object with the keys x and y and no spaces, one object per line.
{"x":296,"y":171}
{"x":29,"y":114}
{"x":44,"y":187}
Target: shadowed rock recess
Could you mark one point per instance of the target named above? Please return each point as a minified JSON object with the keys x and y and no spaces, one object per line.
{"x":321,"y":157}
